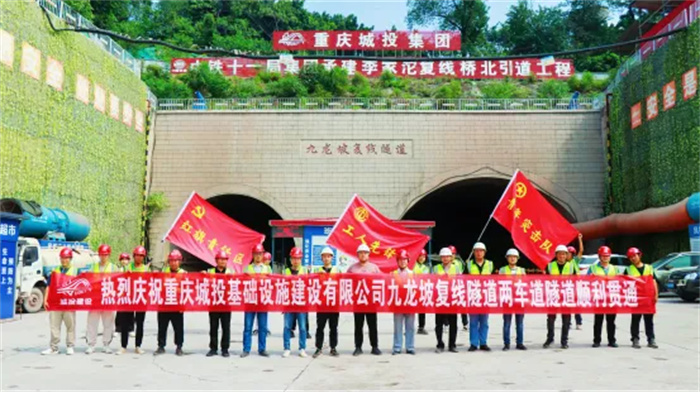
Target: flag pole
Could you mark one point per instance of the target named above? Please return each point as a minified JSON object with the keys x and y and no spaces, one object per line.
{"x":494,"y":211}
{"x":178,"y":216}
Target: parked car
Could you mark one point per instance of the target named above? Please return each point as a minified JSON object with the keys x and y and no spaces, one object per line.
{"x":667,"y":264}
{"x":619,"y":261}
{"x":685,"y":282}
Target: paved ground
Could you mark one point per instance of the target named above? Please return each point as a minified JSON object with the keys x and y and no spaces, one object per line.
{"x":674,"y":366}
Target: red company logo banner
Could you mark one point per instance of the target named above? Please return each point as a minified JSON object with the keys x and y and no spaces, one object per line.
{"x":424,"y":293}
{"x":367,"y":40}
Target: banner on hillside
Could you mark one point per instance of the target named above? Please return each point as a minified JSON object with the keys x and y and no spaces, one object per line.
{"x":460,"y":69}
{"x":360,"y":223}
{"x":367,"y":40}
{"x":424,"y":293}
{"x":535,"y":225}
{"x":203,"y":230}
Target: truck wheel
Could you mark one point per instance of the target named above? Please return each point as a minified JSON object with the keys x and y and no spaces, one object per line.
{"x":34,"y":302}
{"x":688,"y":297}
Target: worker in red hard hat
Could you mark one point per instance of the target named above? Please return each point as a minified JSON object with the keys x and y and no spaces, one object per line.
{"x":403,"y":321}
{"x":124,"y":261}
{"x":575,"y":259}
{"x":603,"y":268}
{"x":267,"y":260}
{"x":223,"y":317}
{"x":256,"y":267}
{"x":422,"y":266}
{"x":95,"y":316}
{"x":323,"y":317}
{"x":297,"y":250}
{"x":295,"y":269}
{"x":364,"y":266}
{"x":127,"y":319}
{"x":176,"y":318}
{"x":639,"y":269}
{"x":59,"y":318}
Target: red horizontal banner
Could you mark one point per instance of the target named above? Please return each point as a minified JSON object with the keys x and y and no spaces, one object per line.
{"x":352,"y":293}
{"x":367,"y":40}
{"x":462,"y":69}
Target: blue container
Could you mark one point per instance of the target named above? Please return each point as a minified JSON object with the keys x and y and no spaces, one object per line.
{"x":39,"y":221}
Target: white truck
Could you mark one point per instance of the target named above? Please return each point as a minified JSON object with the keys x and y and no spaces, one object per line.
{"x":36,"y":259}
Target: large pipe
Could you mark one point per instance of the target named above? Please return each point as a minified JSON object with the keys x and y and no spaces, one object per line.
{"x":39,"y":220}
{"x":671,"y":218}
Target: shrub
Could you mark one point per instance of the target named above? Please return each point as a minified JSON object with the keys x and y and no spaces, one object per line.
{"x":503,"y":90}
{"x":449,"y":90}
{"x":287,"y":86}
{"x":553,"y":88}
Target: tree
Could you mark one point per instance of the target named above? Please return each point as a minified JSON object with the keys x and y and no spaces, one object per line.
{"x":587,"y":23}
{"x":530,"y":31}
{"x":469,"y":17}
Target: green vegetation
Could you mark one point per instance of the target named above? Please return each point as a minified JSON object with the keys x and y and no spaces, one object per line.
{"x":657,"y":163}
{"x":61,"y":152}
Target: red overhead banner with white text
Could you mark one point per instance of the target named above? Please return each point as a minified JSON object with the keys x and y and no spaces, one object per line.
{"x":367,"y":40}
{"x":202,"y":230}
{"x":424,"y":293}
{"x":360,"y":223}
{"x":536,"y":227}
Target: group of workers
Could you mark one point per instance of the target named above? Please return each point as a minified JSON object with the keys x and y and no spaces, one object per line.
{"x":566,"y":263}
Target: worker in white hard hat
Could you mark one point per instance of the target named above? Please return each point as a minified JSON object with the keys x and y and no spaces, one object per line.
{"x":479,"y":323}
{"x":559,"y":267}
{"x":364,"y":266}
{"x":513,"y":270}
{"x":323,"y":317}
{"x":447,"y":267}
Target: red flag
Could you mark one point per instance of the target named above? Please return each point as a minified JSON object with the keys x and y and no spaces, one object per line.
{"x":536,"y":227}
{"x":202,"y":230}
{"x":361,"y":223}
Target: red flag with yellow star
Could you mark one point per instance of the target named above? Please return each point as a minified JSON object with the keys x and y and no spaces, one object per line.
{"x":534,"y":224}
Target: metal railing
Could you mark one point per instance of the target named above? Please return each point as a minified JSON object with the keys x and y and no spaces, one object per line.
{"x":375,"y":104}
{"x":70,"y":16}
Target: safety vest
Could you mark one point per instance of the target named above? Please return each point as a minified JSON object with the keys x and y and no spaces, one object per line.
{"x":647,"y":270}
{"x":134,"y":269}
{"x":319,"y":269}
{"x":565,"y":270}
{"x":251,"y":270}
{"x":213,"y":271}
{"x":473,"y":268}
{"x":110,"y":268}
{"x":507,"y":271}
{"x":167,"y":270}
{"x":440,"y":269}
{"x":459,"y":265}
{"x":421,"y":268}
{"x":288,"y":271}
{"x":397,"y":272}
{"x":70,"y":272}
{"x":597,"y":270}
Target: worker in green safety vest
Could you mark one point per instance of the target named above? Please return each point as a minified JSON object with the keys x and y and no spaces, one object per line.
{"x":176,"y":318}
{"x":421,"y":267}
{"x":447,"y":267}
{"x":289,"y":317}
{"x":403,"y":321}
{"x":59,"y":318}
{"x":559,"y":267}
{"x":639,"y":269}
{"x":127,"y":319}
{"x":479,"y":324}
{"x":95,"y":316}
{"x":603,"y":268}
{"x":257,"y":266}
{"x":223,"y":317}
{"x":512,"y":269}
{"x":323,"y":317}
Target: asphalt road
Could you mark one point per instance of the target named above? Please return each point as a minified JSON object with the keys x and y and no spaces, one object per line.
{"x":674,"y":366}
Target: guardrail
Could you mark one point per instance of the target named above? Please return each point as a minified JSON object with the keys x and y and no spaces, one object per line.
{"x":63,"y":11}
{"x":376,"y":104}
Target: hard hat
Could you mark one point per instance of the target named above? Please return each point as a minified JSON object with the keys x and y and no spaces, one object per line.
{"x":561,"y":248}
{"x":423,"y":253}
{"x":445,"y":252}
{"x":124,"y":256}
{"x":327,"y":250}
{"x":362,"y":248}
{"x":66,"y":253}
{"x":571,"y":250}
{"x":221,"y":255}
{"x":258,"y":249}
{"x":104,"y":249}
{"x":604,"y":251}
{"x":402,"y":254}
{"x":267,"y":256}
{"x":512,"y":252}
{"x":632,"y":252}
{"x":140,"y":250}
{"x":479,"y":246}
{"x":175,"y":255}
{"x":453,"y":249}
{"x":296,"y":252}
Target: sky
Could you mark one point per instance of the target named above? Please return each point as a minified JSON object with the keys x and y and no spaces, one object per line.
{"x":385,"y":13}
